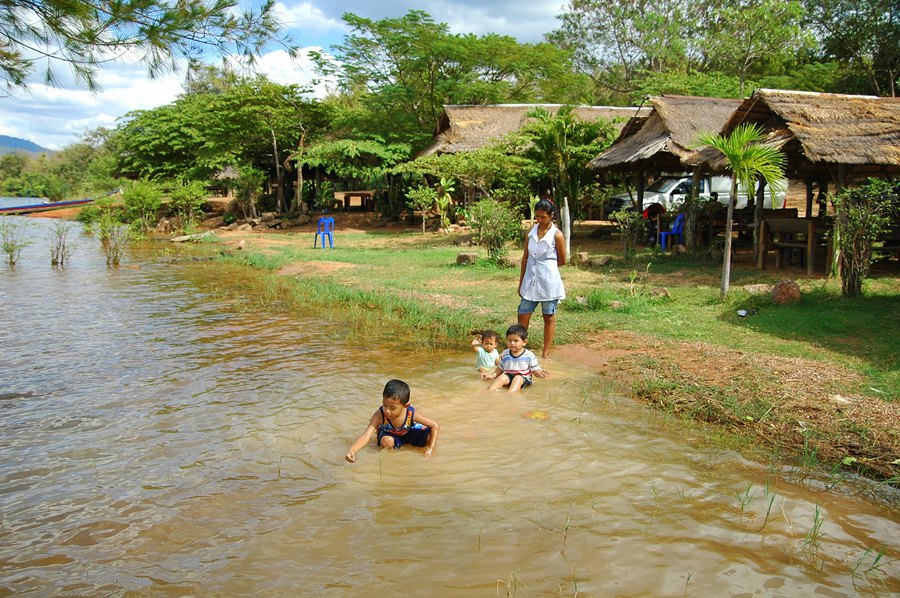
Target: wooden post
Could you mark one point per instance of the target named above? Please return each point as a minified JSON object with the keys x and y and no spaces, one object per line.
{"x":567,"y":226}
{"x":809,"y":199}
{"x":640,"y":190}
{"x":810,"y":245}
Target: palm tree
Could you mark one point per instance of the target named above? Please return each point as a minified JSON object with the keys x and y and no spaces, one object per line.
{"x":748,"y":160}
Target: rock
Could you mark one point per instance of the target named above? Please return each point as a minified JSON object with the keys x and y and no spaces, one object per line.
{"x":254,"y":221}
{"x":679,"y":249}
{"x":581,"y":300}
{"x":617,"y":305}
{"x":267,"y":216}
{"x":660,"y":292}
{"x":214,"y":222}
{"x":599,"y":262}
{"x":240,"y":245}
{"x":785,"y":292}
{"x":232,"y":226}
{"x":508,"y":262}
{"x":758,"y":289}
{"x":303,"y":219}
{"x":274,"y":223}
{"x":467,"y":258}
{"x":163,"y":226}
{"x":464,"y":241}
{"x":245,"y":226}
{"x":190,"y":238}
{"x":579,"y":257}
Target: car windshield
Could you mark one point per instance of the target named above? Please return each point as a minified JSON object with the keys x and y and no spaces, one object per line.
{"x":661,"y":185}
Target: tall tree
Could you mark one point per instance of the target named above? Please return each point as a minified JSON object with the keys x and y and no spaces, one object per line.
{"x":748,"y":160}
{"x":617,"y":42}
{"x":746,"y":36}
{"x":86,"y":33}
{"x":396,"y":74}
{"x":864,"y":35}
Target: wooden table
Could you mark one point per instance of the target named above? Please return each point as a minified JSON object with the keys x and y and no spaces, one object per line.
{"x":792,"y":233}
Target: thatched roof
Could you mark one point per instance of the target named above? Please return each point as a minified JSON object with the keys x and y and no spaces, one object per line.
{"x":467,"y":128}
{"x":667,"y":134}
{"x":824,"y":134}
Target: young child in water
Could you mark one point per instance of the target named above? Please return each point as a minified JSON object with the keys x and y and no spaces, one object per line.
{"x":397,"y":423}
{"x":486,"y":351}
{"x":516,"y":364}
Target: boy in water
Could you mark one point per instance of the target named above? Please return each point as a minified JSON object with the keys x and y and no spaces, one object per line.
{"x":516,"y":364}
{"x":486,"y":353}
{"x":397,"y":423}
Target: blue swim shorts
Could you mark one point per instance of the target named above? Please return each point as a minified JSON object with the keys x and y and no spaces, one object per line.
{"x":526,"y":380}
{"x":417,"y":435}
{"x":548,"y":308}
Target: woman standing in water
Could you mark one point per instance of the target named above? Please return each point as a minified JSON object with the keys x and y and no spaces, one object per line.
{"x":540,"y":281}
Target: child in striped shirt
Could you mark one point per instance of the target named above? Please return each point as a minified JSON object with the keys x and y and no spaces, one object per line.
{"x":516,"y":364}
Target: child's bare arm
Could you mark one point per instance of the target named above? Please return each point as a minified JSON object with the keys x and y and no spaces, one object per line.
{"x":363,"y":439}
{"x":433,"y":435}
{"x":492,"y":375}
{"x":542,"y":373}
{"x":475,"y":344}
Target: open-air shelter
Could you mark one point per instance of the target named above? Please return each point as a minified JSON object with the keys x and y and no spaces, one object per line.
{"x":465,"y":128}
{"x":664,"y":140}
{"x":826,"y":137}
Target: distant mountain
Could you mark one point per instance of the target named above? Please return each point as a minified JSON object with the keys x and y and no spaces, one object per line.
{"x":14,"y":144}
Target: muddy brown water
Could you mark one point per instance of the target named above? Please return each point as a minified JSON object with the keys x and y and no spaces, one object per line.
{"x":158,"y":438}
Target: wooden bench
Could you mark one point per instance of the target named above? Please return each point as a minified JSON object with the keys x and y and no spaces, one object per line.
{"x":779,"y":234}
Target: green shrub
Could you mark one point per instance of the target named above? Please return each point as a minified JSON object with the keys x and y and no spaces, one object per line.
{"x":495,"y":223}
{"x":186,"y":201}
{"x":142,"y":201}
{"x":633,"y":227}
{"x":421,"y":198}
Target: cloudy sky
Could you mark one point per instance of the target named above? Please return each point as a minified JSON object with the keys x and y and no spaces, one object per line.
{"x":54,"y":117}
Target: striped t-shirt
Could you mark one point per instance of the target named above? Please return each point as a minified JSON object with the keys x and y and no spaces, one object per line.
{"x":523,"y":364}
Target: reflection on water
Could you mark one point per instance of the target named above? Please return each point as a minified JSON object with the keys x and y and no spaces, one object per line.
{"x":155,"y":438}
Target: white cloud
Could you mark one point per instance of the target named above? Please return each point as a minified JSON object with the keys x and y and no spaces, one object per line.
{"x":308,"y":21}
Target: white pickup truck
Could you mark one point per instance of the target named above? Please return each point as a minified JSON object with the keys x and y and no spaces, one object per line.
{"x":670,"y":192}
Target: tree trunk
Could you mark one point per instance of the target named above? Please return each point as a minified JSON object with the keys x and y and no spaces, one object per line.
{"x":279,"y":175}
{"x":757,"y":215}
{"x":690,"y":212}
{"x":726,"y":259}
{"x":566,"y":218}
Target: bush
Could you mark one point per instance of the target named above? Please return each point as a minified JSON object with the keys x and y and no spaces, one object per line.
{"x":861,"y":214}
{"x":142,"y":201}
{"x":186,"y":200}
{"x":495,"y":223}
{"x":12,"y":240}
{"x":91,"y":214}
{"x":633,"y":228}
{"x":421,"y":198}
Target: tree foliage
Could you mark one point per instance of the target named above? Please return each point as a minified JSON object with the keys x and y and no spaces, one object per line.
{"x":87,"y":33}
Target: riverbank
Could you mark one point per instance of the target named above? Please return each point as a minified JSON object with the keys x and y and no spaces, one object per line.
{"x":814,"y":384}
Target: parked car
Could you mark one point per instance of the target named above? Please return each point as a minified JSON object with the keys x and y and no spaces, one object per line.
{"x":670,"y":192}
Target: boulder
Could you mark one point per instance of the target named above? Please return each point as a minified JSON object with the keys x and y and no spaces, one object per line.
{"x":579,"y":257}
{"x":464,"y":241}
{"x":785,"y":292}
{"x":679,"y":249}
{"x":214,"y":222}
{"x":302,"y":219}
{"x":467,"y":258}
{"x":660,"y":292}
{"x":190,"y":238}
{"x":758,"y":289}
{"x":245,"y":226}
{"x":267,"y":216}
{"x":616,"y":305}
{"x":276,"y":223}
{"x":599,"y":262}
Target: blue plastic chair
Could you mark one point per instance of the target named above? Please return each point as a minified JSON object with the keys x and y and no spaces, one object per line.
{"x":677,"y":230}
{"x":326,"y":229}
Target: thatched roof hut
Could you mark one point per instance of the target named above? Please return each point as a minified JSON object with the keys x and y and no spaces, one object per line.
{"x":664,"y":139}
{"x":467,"y":128}
{"x":825,"y":136}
